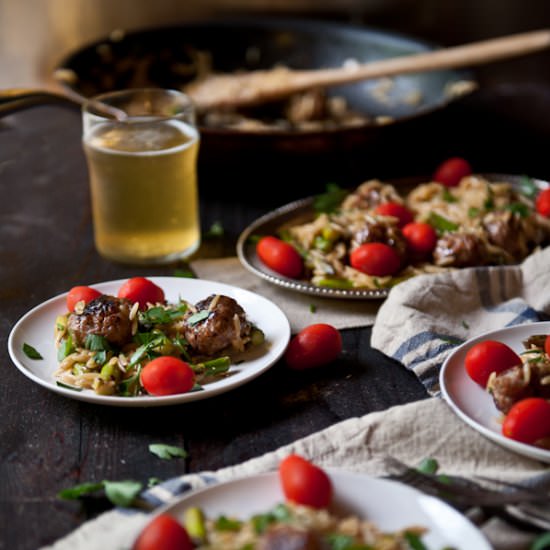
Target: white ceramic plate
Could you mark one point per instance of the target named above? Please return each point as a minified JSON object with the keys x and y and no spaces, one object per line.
{"x":36,"y":328}
{"x":388,"y":504}
{"x":302,"y":211}
{"x":472,"y":403}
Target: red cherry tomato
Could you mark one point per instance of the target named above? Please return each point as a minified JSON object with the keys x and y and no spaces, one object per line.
{"x":421,"y":238}
{"x":304,"y":483}
{"x":528,"y":420}
{"x":313,"y":346}
{"x":402,"y":213}
{"x":547,"y":345}
{"x":487,"y":357}
{"x":81,"y":294}
{"x":167,"y":375}
{"x":142,"y":290}
{"x":543,"y":203}
{"x":376,"y":259}
{"x":451,"y":171}
{"x":163,"y":533}
{"x":280,"y":256}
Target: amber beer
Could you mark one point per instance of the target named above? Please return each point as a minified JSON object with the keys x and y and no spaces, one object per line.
{"x":143,"y":181}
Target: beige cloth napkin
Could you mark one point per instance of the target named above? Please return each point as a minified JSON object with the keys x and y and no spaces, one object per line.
{"x":296,"y":306}
{"x":411,"y":432}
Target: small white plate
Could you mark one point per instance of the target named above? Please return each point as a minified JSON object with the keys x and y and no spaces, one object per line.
{"x":36,"y":328}
{"x":388,"y":504}
{"x":472,"y":403}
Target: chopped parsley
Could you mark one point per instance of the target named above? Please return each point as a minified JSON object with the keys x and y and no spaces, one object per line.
{"x":31,"y":352}
{"x":198,"y":317}
{"x":330,"y":200}
{"x":441,"y":223}
{"x":167,"y":452}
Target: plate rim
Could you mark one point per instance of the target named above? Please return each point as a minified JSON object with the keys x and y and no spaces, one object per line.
{"x":147,"y":400}
{"x":306,"y":287}
{"x":334,"y":473}
{"x":518,"y":447}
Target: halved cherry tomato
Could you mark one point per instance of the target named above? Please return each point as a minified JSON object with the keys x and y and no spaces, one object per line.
{"x":304,"y":483}
{"x":528,"y":420}
{"x":542,"y":203}
{"x":451,"y":171}
{"x":402,"y":213}
{"x":167,"y":375}
{"x":313,"y":346}
{"x":421,"y":238}
{"x":142,"y":290}
{"x":81,"y":294}
{"x":547,"y":345}
{"x":376,"y":259}
{"x":487,"y":357}
{"x":163,"y":533}
{"x":280,"y":256}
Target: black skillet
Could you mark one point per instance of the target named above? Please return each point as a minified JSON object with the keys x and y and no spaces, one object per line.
{"x":165,"y":57}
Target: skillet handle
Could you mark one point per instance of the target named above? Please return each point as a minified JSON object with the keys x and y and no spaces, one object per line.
{"x":16,"y":99}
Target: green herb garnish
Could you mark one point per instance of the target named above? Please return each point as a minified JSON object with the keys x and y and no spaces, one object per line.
{"x":312,"y":308}
{"x":448,"y":196}
{"x":187,"y":273}
{"x":216,"y":230}
{"x":31,"y":352}
{"x":254,"y":239}
{"x":414,"y":541}
{"x":224,"y":523}
{"x":160,"y":316}
{"x":167,"y":452}
{"x":527,"y":187}
{"x":330,"y":200}
{"x":96,"y":342}
{"x":519,"y":208}
{"x":122,"y":493}
{"x":198,"y":317}
{"x":428,"y":466}
{"x":441,"y":224}
{"x":473,"y":212}
{"x":66,"y":347}
{"x":465,"y":325}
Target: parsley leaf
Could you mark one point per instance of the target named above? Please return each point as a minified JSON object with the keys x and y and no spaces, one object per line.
{"x":527,"y":187}
{"x":198,"y":317}
{"x":441,"y":224}
{"x":330,"y":200}
{"x":72,"y":493}
{"x":96,"y":342}
{"x":122,"y":493}
{"x":522,"y":210}
{"x":31,"y":352}
{"x":167,"y":452}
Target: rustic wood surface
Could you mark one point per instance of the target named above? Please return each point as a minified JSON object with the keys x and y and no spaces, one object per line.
{"x":49,"y":442}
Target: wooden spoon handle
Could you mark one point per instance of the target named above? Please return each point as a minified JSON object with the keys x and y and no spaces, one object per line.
{"x":471,"y":54}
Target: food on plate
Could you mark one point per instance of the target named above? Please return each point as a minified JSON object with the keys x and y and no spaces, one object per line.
{"x":374,"y":237}
{"x":136,"y":343}
{"x":314,"y":346}
{"x":294,"y":524}
{"x":519,"y":385}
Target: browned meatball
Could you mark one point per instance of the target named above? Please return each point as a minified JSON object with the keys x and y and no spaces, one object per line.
{"x":459,"y":250}
{"x":377,"y":231}
{"x":510,"y":386}
{"x":504,"y":229}
{"x":225,"y":325}
{"x":105,"y":316}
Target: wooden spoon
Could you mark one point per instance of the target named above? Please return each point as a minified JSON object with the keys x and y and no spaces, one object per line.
{"x":252,"y":88}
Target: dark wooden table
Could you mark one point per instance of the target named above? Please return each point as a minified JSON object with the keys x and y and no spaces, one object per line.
{"x":49,"y":442}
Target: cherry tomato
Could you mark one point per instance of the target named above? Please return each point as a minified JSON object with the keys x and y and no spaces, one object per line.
{"x":547,"y":345}
{"x":280,"y":256}
{"x":421,"y":238}
{"x":451,"y":171}
{"x":487,"y":357}
{"x":543,"y":203}
{"x":81,"y":294}
{"x":377,"y":259}
{"x":167,"y":375}
{"x":313,"y":346}
{"x":402,"y":213}
{"x":528,"y":420}
{"x":163,"y":533}
{"x":304,"y":483}
{"x":142,"y":290}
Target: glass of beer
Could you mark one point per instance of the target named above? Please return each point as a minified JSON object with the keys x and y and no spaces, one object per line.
{"x":141,"y":146}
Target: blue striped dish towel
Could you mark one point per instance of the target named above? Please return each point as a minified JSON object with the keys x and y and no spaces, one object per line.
{"x":425,"y":318}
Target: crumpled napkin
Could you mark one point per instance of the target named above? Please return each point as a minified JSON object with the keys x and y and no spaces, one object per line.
{"x":424,"y":318}
{"x":410,"y":433}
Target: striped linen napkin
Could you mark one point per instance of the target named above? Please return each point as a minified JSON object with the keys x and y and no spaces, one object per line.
{"x":424,"y":318}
